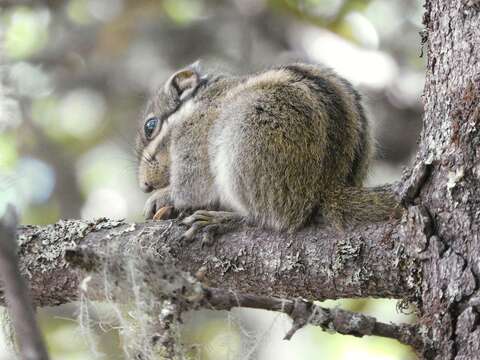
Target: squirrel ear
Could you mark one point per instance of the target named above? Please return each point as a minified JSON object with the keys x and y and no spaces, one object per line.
{"x":184,"y":81}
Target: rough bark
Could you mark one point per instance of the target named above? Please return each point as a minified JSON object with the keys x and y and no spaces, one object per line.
{"x":450,"y":143}
{"x":28,"y":336}
{"x":316,"y":263}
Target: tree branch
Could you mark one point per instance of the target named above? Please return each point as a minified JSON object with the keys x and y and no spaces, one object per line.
{"x":27,"y":332}
{"x":305,"y":312}
{"x":316,"y":263}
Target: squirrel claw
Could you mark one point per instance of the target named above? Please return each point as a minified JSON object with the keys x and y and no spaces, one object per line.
{"x":195,"y":217}
{"x":211,"y":223}
{"x":164,"y":213}
{"x":208,"y":239}
{"x":190,"y":234}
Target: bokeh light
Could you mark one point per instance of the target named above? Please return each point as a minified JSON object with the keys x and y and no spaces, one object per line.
{"x":26,"y":31}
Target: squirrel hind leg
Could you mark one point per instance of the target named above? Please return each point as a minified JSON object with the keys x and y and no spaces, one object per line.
{"x":211,"y":224}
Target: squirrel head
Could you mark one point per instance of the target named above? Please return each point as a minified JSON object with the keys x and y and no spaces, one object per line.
{"x":154,"y":128}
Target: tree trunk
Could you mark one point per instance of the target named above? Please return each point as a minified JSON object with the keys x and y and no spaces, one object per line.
{"x":450,"y":298}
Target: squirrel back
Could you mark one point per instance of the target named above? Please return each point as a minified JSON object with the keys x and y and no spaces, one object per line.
{"x":278,"y":147}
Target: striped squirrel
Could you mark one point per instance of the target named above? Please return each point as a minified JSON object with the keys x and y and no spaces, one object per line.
{"x":276,"y":148}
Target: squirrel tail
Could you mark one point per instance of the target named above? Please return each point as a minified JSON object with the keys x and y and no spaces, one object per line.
{"x":355,"y":205}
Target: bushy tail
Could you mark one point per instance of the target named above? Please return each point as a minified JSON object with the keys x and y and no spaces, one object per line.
{"x":356,"y":205}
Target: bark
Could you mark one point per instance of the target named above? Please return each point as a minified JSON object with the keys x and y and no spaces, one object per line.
{"x":28,"y":336}
{"x":450,"y":142}
{"x":316,"y":263}
{"x":303,"y":312}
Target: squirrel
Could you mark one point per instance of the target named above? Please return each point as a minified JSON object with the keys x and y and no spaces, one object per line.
{"x":276,"y":148}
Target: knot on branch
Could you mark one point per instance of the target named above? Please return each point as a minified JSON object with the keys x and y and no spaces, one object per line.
{"x":412,"y":183}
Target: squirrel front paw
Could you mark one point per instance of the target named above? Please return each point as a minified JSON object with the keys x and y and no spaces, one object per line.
{"x":159,"y":206}
{"x":213,"y":223}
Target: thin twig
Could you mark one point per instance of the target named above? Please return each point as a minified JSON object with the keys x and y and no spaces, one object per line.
{"x":305,"y":312}
{"x":28,"y":335}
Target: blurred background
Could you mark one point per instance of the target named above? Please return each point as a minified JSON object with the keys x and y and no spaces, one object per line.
{"x":75,"y":75}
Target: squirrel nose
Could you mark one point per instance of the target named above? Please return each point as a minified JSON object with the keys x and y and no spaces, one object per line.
{"x":146,"y":187}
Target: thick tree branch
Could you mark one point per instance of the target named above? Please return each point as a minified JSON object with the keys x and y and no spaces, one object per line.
{"x":316,"y":263}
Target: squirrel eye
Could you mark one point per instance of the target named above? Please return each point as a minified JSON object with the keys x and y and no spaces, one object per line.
{"x":150,"y":126}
